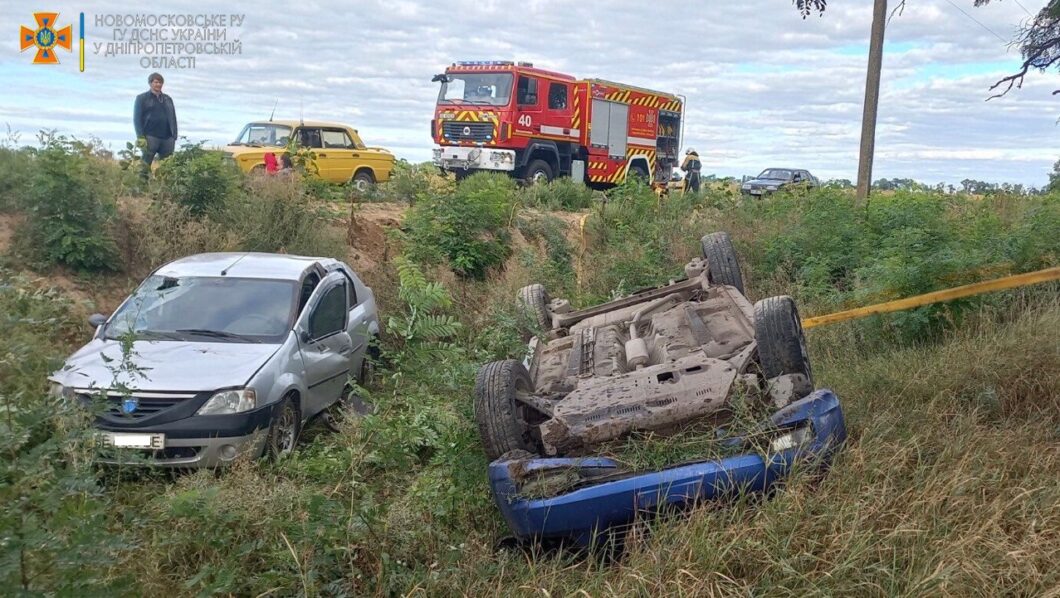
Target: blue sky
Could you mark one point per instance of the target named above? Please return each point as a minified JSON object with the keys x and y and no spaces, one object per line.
{"x":764,"y":86}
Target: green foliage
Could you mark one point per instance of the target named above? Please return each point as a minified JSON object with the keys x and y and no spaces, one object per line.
{"x":560,"y":194}
{"x":197,"y":179}
{"x":466,"y":229}
{"x":408,"y":181}
{"x":280,"y":215}
{"x":54,"y":516}
{"x":422,"y":327}
{"x":68,"y":197}
{"x":15,"y":170}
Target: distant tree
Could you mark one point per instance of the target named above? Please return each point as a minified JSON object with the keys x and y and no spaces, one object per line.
{"x":839,"y":184}
{"x":1054,"y":178}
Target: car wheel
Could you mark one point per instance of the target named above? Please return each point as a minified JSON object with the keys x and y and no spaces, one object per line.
{"x":363,"y":180}
{"x":537,"y":172}
{"x":500,"y":416}
{"x":781,"y":342}
{"x":283,"y":432}
{"x":722,"y":266}
{"x":532,"y":300}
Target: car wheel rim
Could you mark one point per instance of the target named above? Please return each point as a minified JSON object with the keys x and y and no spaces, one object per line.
{"x":360,"y":184}
{"x":539,"y":177}
{"x":285,"y":428}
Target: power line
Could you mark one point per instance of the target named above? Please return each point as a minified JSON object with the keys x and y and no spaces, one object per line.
{"x":1003,"y":40}
{"x":1024,"y":8}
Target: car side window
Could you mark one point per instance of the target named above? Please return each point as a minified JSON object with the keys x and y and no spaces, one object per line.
{"x":351,"y":296}
{"x":336,"y":139}
{"x":557,"y":96}
{"x":329,"y":316}
{"x":527,"y":92}
{"x":309,"y":138}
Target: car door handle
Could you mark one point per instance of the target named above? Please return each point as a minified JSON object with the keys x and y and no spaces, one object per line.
{"x":322,"y":155}
{"x":356,"y":155}
{"x":345,"y":350}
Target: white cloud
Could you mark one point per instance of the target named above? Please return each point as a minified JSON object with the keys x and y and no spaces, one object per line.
{"x":764,"y":86}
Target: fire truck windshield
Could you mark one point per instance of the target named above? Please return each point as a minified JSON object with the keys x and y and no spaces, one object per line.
{"x":492,"y":89}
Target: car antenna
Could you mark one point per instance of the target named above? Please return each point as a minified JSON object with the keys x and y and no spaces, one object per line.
{"x":273,"y":113}
{"x":232,"y":265}
{"x":301,"y":113}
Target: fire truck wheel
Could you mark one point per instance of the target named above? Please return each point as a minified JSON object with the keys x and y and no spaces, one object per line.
{"x":638,"y":173}
{"x":538,"y":171}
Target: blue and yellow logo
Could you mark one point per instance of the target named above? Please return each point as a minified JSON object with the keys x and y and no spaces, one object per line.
{"x":46,"y":38}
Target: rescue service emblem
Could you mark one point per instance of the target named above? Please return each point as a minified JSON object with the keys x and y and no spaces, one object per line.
{"x":46,"y":38}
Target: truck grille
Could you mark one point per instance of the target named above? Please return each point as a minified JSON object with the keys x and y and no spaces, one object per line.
{"x":478,"y":132}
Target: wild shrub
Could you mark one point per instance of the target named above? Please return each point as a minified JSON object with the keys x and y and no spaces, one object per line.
{"x":68,"y":198}
{"x":16,"y":167}
{"x":278,"y":215}
{"x":560,"y":194}
{"x":466,"y":229}
{"x":196,"y":178}
{"x":53,"y":514}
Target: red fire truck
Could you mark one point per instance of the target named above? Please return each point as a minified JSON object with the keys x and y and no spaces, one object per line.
{"x":537,"y":124}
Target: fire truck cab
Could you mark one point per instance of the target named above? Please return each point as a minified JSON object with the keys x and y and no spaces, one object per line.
{"x":537,"y":125}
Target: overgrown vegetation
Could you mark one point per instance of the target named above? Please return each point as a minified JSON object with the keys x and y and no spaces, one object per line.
{"x":947,"y":484}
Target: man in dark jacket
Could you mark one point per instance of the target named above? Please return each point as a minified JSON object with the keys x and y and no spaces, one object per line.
{"x":155,"y":120}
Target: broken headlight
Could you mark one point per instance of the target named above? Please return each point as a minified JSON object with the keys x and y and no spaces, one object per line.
{"x":791,"y":439}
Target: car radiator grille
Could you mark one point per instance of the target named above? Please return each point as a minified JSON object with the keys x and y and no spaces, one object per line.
{"x":145,"y":405}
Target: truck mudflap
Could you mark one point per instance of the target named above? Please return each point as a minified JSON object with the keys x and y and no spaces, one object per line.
{"x":595,"y":493}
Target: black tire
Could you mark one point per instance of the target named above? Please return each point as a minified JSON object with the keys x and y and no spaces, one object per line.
{"x":500,"y":417}
{"x":533,"y":301}
{"x":637,"y":172}
{"x":363,"y":180}
{"x":722,"y":266}
{"x":538,"y":171}
{"x":462,"y":174}
{"x":284,"y":430}
{"x":781,"y":342}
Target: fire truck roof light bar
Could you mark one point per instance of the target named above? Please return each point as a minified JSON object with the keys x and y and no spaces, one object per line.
{"x":489,"y":63}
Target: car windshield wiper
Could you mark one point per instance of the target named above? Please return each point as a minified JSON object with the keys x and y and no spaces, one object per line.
{"x":147,"y":335}
{"x":218,"y":334}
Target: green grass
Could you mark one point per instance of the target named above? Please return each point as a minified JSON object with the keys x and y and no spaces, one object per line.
{"x":948,"y":483}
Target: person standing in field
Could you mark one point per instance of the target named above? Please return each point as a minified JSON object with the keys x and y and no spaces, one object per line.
{"x":691,"y":166}
{"x":155,"y":120}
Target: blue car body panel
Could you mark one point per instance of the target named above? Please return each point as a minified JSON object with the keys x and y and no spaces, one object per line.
{"x":581,"y":513}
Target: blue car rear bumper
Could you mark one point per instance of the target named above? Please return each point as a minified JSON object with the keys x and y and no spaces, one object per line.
{"x":581,"y":513}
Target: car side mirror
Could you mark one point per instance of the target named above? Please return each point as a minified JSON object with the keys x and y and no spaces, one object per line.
{"x":303,"y":336}
{"x":97,"y":320}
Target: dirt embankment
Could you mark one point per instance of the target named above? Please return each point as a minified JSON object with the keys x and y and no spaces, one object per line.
{"x":368,"y":236}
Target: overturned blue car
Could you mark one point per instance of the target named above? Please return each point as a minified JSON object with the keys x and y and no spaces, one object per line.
{"x":689,"y":359}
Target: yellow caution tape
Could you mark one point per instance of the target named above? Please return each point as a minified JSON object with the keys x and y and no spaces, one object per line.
{"x":967,"y":290}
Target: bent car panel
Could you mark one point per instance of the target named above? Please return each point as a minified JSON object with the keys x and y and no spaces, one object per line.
{"x":592,"y":508}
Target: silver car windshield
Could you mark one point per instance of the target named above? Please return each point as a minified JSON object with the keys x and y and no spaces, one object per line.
{"x":492,"y":89}
{"x":216,"y":309}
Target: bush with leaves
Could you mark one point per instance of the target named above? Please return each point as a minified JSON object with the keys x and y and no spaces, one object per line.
{"x":197,"y":179}
{"x":68,"y":198}
{"x":422,"y":328}
{"x":560,"y":194}
{"x":466,"y":229}
{"x":56,"y":539}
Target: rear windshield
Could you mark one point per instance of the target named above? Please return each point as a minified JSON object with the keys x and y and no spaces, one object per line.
{"x":216,"y":309}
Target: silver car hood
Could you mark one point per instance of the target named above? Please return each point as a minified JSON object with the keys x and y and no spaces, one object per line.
{"x":165,"y":365}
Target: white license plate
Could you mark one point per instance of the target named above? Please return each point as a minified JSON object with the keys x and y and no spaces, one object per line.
{"x":756,"y":191}
{"x":130,"y":440}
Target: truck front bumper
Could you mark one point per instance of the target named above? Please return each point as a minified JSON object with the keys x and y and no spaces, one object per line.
{"x":592,"y":508}
{"x":474,"y":158}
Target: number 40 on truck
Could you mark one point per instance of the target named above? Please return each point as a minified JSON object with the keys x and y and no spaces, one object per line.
{"x":536,"y":125}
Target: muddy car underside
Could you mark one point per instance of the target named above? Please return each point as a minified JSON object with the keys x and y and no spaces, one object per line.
{"x":656,"y":360}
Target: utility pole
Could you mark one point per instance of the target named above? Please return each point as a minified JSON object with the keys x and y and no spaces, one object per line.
{"x":872,"y":100}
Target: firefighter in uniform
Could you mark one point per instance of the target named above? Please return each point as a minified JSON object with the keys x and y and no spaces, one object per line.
{"x":691,"y":166}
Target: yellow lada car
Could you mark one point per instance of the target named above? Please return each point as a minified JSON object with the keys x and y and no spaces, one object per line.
{"x":341,"y":156}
